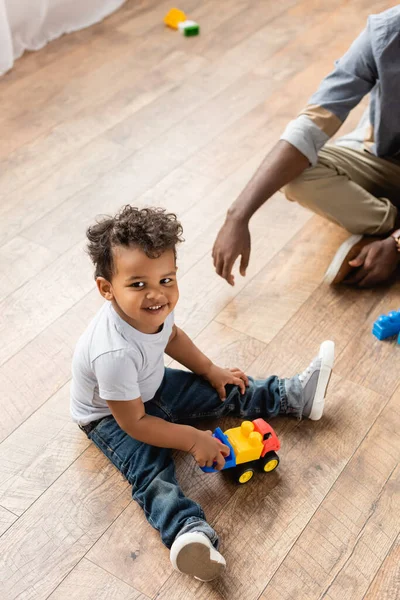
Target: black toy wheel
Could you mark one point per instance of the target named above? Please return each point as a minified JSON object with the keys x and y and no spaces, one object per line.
{"x":269,"y":462}
{"x":243,"y":473}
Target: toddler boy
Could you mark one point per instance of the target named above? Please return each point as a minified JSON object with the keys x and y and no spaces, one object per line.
{"x":136,"y":411}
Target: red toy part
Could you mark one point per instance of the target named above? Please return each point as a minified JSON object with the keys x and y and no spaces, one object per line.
{"x":270,"y":439}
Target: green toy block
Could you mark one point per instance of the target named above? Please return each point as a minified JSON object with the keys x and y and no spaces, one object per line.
{"x":189,"y":28}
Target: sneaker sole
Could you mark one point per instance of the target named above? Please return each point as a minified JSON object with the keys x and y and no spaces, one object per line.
{"x":340,"y":257}
{"x":327,"y":356}
{"x":196,"y":559}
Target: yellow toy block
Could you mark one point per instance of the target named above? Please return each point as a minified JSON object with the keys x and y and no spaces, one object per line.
{"x":246,"y":442}
{"x":174,"y":17}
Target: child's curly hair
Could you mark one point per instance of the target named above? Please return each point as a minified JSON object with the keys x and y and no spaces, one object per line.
{"x":153,"y":230}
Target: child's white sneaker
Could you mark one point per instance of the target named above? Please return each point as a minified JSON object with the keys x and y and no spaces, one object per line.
{"x":315,"y":379}
{"x":192,"y":553}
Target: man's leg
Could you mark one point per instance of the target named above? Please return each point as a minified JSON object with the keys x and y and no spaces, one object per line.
{"x":354,"y":189}
{"x":358,"y":191}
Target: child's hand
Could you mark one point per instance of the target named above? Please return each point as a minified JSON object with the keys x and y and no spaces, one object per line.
{"x":219,"y":378}
{"x":207,"y":450}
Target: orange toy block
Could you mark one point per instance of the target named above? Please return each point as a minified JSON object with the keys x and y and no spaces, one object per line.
{"x":174,"y":17}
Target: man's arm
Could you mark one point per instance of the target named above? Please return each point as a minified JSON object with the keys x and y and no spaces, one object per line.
{"x":283,"y":164}
{"x":353,"y":77}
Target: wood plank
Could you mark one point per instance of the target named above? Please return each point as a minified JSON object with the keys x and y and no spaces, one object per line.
{"x":130,"y":549}
{"x":27,"y":469}
{"x":20,"y":260}
{"x":43,"y":366}
{"x":386,"y":584}
{"x":39,"y":302}
{"x":256,"y":131}
{"x":32,"y":63}
{"x":246,"y":28}
{"x":87,"y":581}
{"x":92,"y":162}
{"x":369,"y":361}
{"x":102,"y":59}
{"x":221,"y":76}
{"x":134,"y":93}
{"x":234,"y":36}
{"x":372,"y":547}
{"x":180,"y":587}
{"x":341,"y":547}
{"x":141,"y":81}
{"x":262,"y":521}
{"x":182,"y":188}
{"x":285,"y":283}
{"x":186,"y":189}
{"x":227,"y":347}
{"x":204,"y":13}
{"x":330,"y":313}
{"x":282,"y":67}
{"x":42,"y":547}
{"x":241,"y":51}
{"x":148,"y":59}
{"x":127,"y":174}
{"x":60,"y":93}
{"x":7,"y":518}
{"x":148,"y":51}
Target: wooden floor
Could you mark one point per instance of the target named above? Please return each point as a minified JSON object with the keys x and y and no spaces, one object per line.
{"x":128,"y":111}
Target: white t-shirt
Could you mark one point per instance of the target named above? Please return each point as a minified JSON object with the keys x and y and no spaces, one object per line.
{"x":114,"y":361}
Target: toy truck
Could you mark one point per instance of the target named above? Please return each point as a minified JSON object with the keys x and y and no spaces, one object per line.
{"x":252,"y":446}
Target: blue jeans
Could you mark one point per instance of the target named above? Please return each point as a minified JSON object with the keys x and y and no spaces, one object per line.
{"x":183,"y":398}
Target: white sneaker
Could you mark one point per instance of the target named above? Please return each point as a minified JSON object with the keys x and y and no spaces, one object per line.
{"x":193,"y":554}
{"x":315,"y":380}
{"x":339,"y":268}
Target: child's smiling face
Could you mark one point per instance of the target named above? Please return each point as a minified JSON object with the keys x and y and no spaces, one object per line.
{"x":143,"y":290}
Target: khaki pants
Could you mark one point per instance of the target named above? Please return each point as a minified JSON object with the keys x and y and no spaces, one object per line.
{"x":352,"y":188}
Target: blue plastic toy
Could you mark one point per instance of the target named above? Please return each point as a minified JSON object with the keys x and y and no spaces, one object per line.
{"x":230,"y":460}
{"x":387,"y":325}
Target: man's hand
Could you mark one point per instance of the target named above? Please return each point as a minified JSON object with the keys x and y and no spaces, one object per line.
{"x":207,"y":450}
{"x":376,"y":263}
{"x":219,"y":378}
{"x":233,"y":240}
